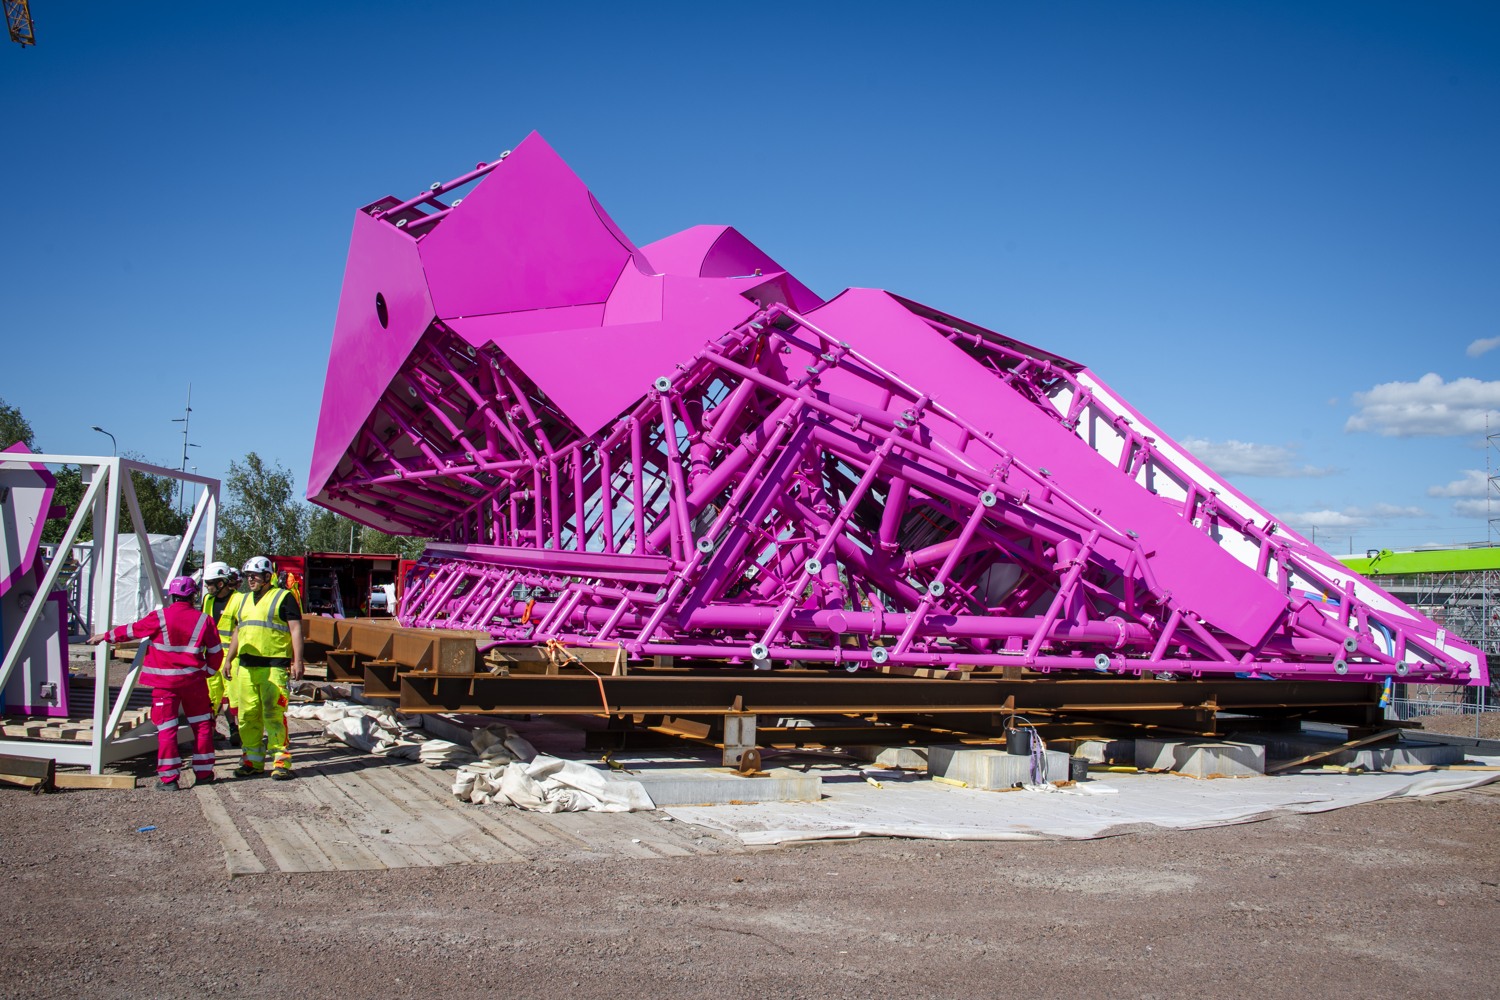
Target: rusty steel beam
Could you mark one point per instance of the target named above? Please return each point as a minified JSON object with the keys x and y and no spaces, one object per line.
{"x":771,"y":695}
{"x":380,"y":679}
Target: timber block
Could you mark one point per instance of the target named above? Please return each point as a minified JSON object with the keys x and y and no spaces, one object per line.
{"x":990,"y":770}
{"x":903,"y":757}
{"x":1201,"y":758}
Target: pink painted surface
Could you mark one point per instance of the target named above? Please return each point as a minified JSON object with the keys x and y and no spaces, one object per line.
{"x":366,"y":355}
{"x":683,"y":450}
{"x":545,"y":243}
{"x":1224,"y":591}
{"x":31,"y":486}
{"x":721,"y":252}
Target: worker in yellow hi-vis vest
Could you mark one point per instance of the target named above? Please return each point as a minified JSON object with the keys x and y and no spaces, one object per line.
{"x":267,"y":650}
{"x":221,"y":592}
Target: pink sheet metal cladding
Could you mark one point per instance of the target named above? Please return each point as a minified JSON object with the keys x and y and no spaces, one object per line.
{"x":682,"y":450}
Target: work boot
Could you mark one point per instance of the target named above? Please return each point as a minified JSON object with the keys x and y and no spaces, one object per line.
{"x":282,"y":774}
{"x":245,"y":771}
{"x":234,"y":733}
{"x":166,"y":786}
{"x":205,"y":779}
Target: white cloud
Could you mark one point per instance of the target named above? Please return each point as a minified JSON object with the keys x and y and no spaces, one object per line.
{"x":1473,"y":484}
{"x":1472,"y":508}
{"x":1426,"y":407}
{"x":1242,"y":458}
{"x":1483,"y":346}
{"x":1350,"y":517}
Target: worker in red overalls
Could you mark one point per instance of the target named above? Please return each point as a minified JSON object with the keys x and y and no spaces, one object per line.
{"x":183,"y":651}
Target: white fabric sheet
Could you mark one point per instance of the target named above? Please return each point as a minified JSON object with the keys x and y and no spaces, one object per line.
{"x":1106,"y":806}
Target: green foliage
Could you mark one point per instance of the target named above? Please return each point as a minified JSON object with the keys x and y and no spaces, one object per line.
{"x":328,"y":531}
{"x":13,"y":427}
{"x":261,"y":514}
{"x":155,"y":495}
{"x":405,"y":546}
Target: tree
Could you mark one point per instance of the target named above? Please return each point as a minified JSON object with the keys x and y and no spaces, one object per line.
{"x":13,"y":428}
{"x":153,"y":494}
{"x":328,"y":531}
{"x":405,"y":546}
{"x":261,"y":514}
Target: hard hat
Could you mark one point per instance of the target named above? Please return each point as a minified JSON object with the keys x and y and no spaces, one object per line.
{"x":258,"y":564}
{"x":182,"y":586}
{"x":217,"y":571}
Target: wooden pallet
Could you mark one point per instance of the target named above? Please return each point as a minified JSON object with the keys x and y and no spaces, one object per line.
{"x":66,"y":730}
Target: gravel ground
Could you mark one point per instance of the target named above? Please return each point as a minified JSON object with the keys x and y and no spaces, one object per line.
{"x":1486,"y":726}
{"x":1395,"y":899}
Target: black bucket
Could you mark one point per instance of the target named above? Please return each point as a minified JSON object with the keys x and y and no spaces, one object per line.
{"x":1078,"y":769}
{"x":1018,"y":741}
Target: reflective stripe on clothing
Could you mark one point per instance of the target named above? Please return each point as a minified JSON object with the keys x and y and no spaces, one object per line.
{"x":171,"y":671}
{"x":262,"y":632}
{"x":175,"y":654}
{"x":194,"y":644}
{"x":224,"y":617}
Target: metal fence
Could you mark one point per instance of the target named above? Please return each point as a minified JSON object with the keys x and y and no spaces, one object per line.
{"x":1478,"y":708}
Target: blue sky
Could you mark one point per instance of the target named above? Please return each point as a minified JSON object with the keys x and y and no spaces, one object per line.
{"x":1269,"y":226}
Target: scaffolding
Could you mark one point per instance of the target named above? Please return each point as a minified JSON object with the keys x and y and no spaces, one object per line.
{"x":1459,"y":589}
{"x":107,"y":484}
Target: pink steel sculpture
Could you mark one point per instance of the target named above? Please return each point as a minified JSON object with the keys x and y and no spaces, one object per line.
{"x":681,"y":449}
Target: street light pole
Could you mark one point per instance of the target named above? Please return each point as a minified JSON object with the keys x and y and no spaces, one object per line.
{"x":113,"y":448}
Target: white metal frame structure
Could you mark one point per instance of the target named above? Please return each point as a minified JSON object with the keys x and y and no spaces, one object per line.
{"x":106,"y":484}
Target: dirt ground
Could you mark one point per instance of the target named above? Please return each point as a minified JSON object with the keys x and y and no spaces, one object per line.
{"x":1395,"y":899}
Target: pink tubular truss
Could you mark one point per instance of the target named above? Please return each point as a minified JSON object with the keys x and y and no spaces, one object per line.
{"x":682,"y":450}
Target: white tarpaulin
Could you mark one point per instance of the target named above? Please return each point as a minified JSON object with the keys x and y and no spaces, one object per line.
{"x":381,"y":731}
{"x":549,"y":784}
{"x":501,"y":768}
{"x":1100,"y":808}
{"x":133,"y":594}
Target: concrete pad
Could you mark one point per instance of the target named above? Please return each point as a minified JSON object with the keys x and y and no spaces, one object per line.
{"x":1382,"y":758}
{"x":990,"y":770}
{"x":1200,"y":758}
{"x":905,"y":757}
{"x":1410,"y":751}
{"x":706,"y":786}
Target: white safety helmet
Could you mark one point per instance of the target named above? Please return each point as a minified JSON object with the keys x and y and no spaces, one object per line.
{"x":217,"y":571}
{"x":258,"y":564}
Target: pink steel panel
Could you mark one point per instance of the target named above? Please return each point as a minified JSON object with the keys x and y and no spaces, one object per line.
{"x":545,"y":243}
{"x":708,"y":460}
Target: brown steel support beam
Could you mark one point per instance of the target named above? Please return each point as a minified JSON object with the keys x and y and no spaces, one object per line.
{"x":767,"y":695}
